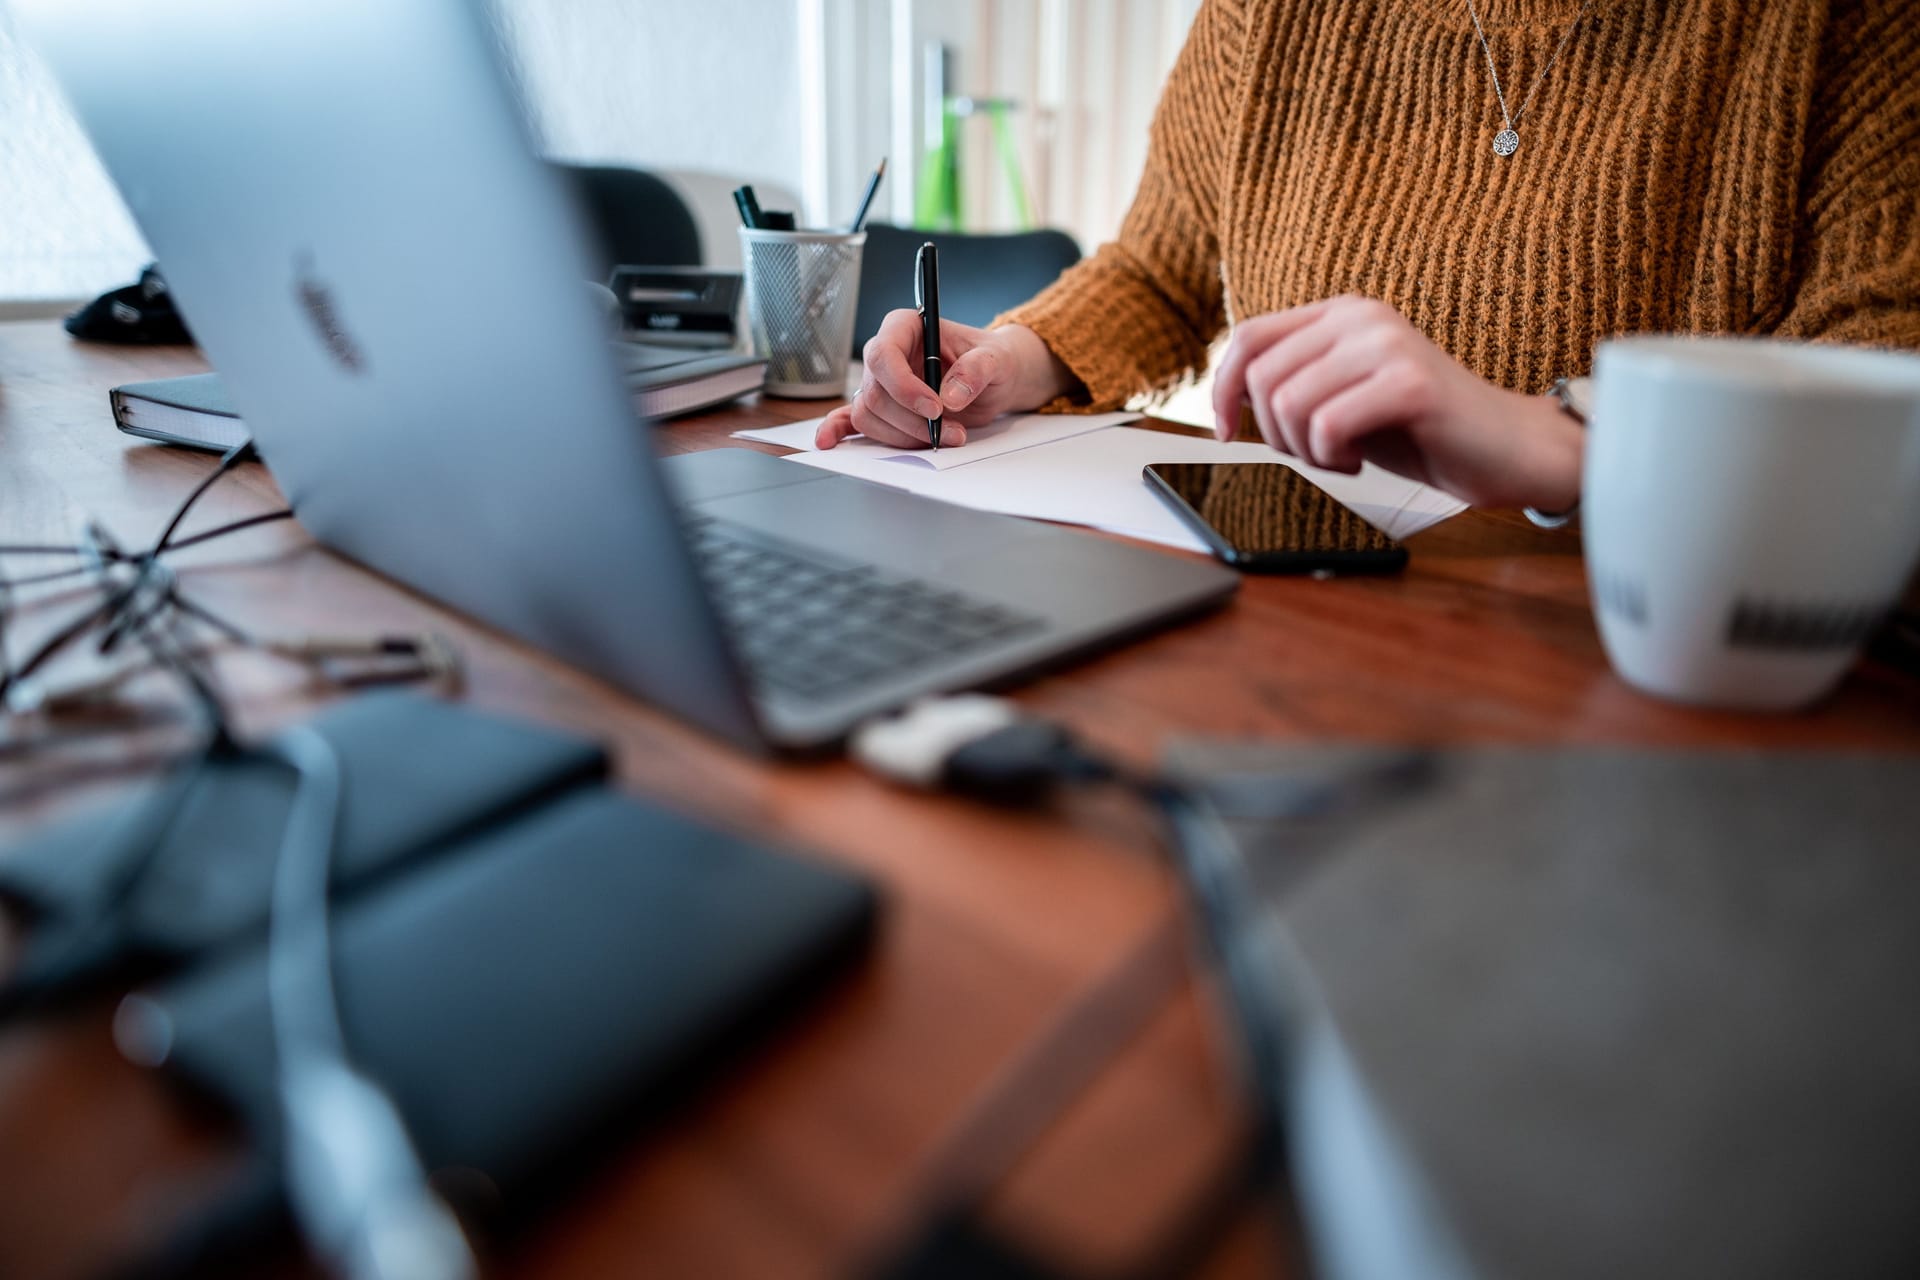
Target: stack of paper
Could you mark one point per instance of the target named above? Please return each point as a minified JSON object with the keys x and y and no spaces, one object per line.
{"x":1085,"y":469}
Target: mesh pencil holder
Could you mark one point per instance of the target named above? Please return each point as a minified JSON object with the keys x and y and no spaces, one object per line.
{"x":803,"y":288}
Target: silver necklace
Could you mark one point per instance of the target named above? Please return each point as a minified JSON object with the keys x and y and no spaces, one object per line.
{"x":1507,"y":141}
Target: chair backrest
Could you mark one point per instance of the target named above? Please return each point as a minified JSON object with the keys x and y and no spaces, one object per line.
{"x":636,"y":218}
{"x":980,"y":275}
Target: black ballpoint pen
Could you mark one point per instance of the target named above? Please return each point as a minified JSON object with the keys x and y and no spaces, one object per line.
{"x":926,"y":289}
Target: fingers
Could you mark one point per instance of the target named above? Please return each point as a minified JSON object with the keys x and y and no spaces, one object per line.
{"x":1250,"y":339}
{"x":1294,"y":379}
{"x":878,"y":416}
{"x":1269,"y":372}
{"x":1363,"y":422}
{"x":895,"y":402}
{"x":970,"y":375}
{"x":834,"y":428}
{"x":893,"y":362}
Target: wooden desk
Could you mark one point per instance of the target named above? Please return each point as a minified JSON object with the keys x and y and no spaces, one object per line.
{"x":1007,"y":939}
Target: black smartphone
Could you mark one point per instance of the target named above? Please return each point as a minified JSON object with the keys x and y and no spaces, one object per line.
{"x":1265,"y":517}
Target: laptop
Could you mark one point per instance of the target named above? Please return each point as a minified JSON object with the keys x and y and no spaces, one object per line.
{"x":316,"y":176}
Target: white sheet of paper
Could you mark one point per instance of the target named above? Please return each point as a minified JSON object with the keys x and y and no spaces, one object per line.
{"x":1083,"y":469}
{"x":1009,"y":434}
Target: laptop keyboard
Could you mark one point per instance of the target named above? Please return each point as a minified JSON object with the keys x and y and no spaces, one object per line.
{"x":812,"y":628}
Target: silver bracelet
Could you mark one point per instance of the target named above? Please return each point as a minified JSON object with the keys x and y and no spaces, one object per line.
{"x":1573,"y":396}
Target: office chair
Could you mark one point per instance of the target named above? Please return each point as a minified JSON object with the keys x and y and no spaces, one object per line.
{"x":636,"y":218}
{"x":980,"y":275}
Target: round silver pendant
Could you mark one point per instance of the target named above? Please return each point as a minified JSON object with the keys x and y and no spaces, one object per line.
{"x":1506,"y":142}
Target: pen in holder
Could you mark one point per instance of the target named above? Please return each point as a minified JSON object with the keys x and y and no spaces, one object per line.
{"x":803,"y":289}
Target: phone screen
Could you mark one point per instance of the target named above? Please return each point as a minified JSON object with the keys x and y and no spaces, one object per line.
{"x":1267,"y":517}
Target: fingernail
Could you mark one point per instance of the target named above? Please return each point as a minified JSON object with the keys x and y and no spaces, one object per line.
{"x":956,"y":394}
{"x":928,"y":408}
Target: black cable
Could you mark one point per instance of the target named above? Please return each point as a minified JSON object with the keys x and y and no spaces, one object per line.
{"x":109,"y":610}
{"x":232,"y":458}
{"x":45,"y":975}
{"x":166,"y":650}
{"x":158,"y":638}
{"x":66,"y":635}
{"x":147,"y":562}
{"x":230,"y":630}
{"x":85,"y":954}
{"x":60,"y":639}
{"x":220,"y":531}
{"x":242,"y":452}
{"x":1230,"y":917}
{"x":1026,"y":760}
{"x":985,"y":749}
{"x":51,"y":575}
{"x":178,"y":544}
{"x":356,"y":1185}
{"x":138,"y":613}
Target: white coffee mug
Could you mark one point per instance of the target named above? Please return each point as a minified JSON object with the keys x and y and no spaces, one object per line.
{"x":1751,"y":511}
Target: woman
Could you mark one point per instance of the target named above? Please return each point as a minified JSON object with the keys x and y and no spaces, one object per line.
{"x":1417,"y":215}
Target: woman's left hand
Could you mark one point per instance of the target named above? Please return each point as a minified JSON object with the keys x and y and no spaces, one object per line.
{"x":1350,"y":380}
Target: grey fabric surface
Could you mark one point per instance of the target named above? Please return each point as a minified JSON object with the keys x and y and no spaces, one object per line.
{"x":1625,"y":1014}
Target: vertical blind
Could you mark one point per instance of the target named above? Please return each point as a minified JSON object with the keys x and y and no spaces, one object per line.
{"x":1092,"y":70}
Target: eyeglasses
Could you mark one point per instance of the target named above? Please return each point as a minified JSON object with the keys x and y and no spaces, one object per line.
{"x":139,"y":596}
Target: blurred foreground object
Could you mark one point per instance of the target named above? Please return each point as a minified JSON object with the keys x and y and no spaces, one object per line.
{"x":1599,"y":1013}
{"x":473,"y":951}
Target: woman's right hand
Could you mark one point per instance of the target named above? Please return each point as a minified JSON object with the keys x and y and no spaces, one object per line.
{"x":988,"y":372}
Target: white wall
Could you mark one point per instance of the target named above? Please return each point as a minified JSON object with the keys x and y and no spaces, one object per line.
{"x":709,"y":85}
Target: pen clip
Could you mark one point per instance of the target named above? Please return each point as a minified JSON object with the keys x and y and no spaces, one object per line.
{"x":919,"y":280}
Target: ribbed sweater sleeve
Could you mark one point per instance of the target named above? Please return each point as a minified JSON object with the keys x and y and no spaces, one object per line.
{"x":1138,"y":314}
{"x":1857,"y":248}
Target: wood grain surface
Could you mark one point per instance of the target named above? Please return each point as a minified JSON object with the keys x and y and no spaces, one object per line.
{"x":1026,"y":1027}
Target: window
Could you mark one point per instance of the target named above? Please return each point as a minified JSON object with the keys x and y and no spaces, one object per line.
{"x":64,"y":233}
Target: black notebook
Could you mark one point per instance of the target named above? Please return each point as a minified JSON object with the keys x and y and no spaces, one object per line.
{"x":195,"y":410}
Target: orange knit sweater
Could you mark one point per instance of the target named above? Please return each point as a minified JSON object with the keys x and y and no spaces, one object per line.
{"x":1708,"y":166}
